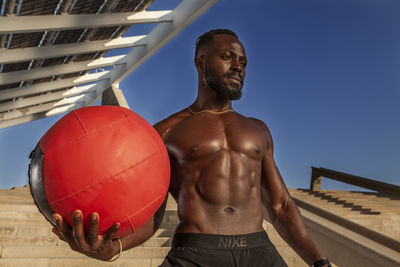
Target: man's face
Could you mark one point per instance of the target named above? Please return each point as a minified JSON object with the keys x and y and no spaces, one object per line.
{"x":225,"y":64}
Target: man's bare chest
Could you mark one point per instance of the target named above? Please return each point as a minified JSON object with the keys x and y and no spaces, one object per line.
{"x":204,"y":134}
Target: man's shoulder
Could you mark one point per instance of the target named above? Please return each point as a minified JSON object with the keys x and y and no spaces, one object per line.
{"x":164,"y":126}
{"x":265,"y":129}
{"x":259,"y":122}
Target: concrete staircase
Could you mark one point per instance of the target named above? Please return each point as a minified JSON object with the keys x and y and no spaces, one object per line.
{"x":352,"y":228}
{"x":26,"y":238}
{"x":375,"y":211}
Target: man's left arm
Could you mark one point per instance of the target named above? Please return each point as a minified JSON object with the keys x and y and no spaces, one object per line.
{"x":282,"y":210}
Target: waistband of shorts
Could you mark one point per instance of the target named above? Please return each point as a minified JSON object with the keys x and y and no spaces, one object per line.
{"x":214,"y":241}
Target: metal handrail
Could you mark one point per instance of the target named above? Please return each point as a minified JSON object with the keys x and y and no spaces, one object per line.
{"x":381,"y":187}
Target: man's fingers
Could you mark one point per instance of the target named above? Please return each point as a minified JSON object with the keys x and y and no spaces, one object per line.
{"x":63,"y":231}
{"x":78,"y":230}
{"x":109,"y":235}
{"x":92,"y":237}
{"x":62,"y":227}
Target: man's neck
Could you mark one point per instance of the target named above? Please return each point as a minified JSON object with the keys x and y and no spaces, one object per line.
{"x":208,"y":100}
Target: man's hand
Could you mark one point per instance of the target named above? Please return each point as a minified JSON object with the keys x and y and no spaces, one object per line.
{"x":93,"y":245}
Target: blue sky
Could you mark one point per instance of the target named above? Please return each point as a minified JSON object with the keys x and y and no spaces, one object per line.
{"x":323,"y":75}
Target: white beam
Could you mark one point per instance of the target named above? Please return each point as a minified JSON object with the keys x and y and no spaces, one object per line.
{"x":75,"y":100}
{"x":19,"y":116}
{"x":21,"y":120}
{"x":184,"y":14}
{"x":52,"y":96}
{"x":67,"y":108}
{"x":53,"y":51}
{"x":38,"y":73}
{"x":23,"y":24}
{"x":48,"y":111}
{"x":68,"y":104}
{"x":26,"y":111}
{"x":54,"y":85}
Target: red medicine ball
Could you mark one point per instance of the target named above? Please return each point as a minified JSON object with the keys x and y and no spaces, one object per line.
{"x":102,"y":159}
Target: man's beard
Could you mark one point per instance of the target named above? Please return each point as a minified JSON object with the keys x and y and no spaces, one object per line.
{"x":223,"y":89}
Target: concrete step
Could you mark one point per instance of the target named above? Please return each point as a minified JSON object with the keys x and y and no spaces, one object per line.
{"x":16,"y":200}
{"x":339,"y":208}
{"x":28,"y":218}
{"x":360,"y":194}
{"x":341,"y":204}
{"x":24,"y":262}
{"x":18,"y":207}
{"x":33,"y":231}
{"x":29,"y":241}
{"x":15,"y":193}
{"x":158,"y":242}
{"x":31,"y":211}
{"x":354,"y":211}
{"x":28,"y":215}
{"x":366,"y":222}
{"x":26,"y":230}
{"x":80,"y":262}
{"x":171,"y":204}
{"x":53,"y":240}
{"x":25,"y":198}
{"x":371,"y":203}
{"x":165,"y":232}
{"x":52,"y":252}
{"x":23,"y":222}
{"x":41,"y":221}
{"x":353,"y":197}
{"x":10,"y":218}
{"x":355,"y":214}
{"x":171,"y":216}
{"x":392,"y":219}
{"x":169,"y":225}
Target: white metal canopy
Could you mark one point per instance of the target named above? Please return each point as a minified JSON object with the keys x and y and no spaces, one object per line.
{"x":53,"y":52}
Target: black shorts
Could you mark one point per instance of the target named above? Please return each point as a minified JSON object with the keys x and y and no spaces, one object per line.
{"x":190,"y":249}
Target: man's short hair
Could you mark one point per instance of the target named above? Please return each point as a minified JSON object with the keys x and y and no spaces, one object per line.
{"x":208,"y":37}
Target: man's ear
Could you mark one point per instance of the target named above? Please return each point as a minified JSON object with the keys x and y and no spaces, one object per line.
{"x":199,"y":63}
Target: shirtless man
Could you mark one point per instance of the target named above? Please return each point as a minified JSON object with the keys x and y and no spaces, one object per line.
{"x":222,"y":172}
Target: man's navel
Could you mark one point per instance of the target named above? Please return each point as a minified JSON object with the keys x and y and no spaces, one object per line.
{"x":229,"y":210}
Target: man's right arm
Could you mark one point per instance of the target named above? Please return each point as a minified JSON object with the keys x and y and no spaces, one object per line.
{"x":151,"y":226}
{"x":147,"y":230}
